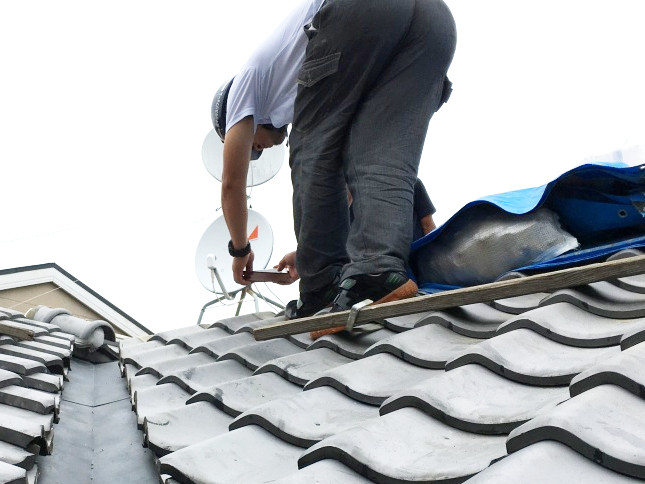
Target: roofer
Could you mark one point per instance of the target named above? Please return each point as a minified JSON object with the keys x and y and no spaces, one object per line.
{"x":359,"y":81}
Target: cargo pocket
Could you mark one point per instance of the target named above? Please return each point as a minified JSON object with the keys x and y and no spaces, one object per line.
{"x":317,"y":69}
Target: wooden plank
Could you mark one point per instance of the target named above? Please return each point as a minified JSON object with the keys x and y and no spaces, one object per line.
{"x":547,"y":282}
{"x":20,"y":333}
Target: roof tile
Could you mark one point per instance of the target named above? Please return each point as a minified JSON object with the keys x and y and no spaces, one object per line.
{"x":373,"y":379}
{"x":203,"y":377}
{"x":473,"y":320}
{"x":428,"y":346}
{"x":218,"y":347}
{"x":626,"y":369}
{"x":572,"y":325}
{"x":326,"y":471}
{"x":257,"y":353}
{"x":407,"y":445}
{"x":602,"y":298}
{"x":474,"y":399}
{"x":158,"y":398}
{"x":250,"y":455}
{"x":535,"y":464}
{"x":238,"y":396}
{"x":169,"y":431}
{"x":299,"y":368}
{"x":527,"y":357}
{"x":172,"y":365}
{"x":307,"y":417}
{"x":351,"y":345}
{"x":604,"y":424}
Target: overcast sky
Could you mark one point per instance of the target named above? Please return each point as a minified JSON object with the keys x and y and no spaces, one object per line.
{"x":104,"y":107}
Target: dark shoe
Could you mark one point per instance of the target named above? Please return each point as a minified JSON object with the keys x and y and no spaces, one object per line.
{"x":380,"y":288}
{"x":310,"y":303}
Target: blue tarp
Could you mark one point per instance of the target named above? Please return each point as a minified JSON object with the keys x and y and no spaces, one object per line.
{"x":601,"y":204}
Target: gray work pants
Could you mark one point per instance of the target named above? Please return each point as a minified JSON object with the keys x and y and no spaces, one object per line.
{"x":373,"y":76}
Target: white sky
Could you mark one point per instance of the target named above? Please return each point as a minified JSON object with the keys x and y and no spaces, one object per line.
{"x":104,"y":107}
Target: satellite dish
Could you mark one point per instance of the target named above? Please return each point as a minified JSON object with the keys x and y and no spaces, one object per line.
{"x":260,"y":170}
{"x":212,"y":250}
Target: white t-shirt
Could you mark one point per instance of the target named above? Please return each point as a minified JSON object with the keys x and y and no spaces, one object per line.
{"x":266,"y":87}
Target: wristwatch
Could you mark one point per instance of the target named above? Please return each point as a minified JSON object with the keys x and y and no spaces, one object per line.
{"x":238,"y":252}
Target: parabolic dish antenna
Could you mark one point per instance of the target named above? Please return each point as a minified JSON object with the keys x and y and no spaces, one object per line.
{"x":214,"y":243}
{"x":260,"y":170}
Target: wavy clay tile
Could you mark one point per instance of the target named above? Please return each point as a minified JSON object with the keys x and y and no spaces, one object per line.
{"x":604,"y":424}
{"x":373,"y":379}
{"x":626,"y":369}
{"x":545,"y":462}
{"x":527,"y":357}
{"x":307,"y":417}
{"x":237,"y":456}
{"x":300,"y":368}
{"x":169,"y":431}
{"x":472,"y":320}
{"x":407,"y":445}
{"x":351,"y":345}
{"x":474,"y":399}
{"x":573,"y":326}
{"x":428,"y":346}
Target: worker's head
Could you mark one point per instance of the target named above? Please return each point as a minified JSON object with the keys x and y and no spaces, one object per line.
{"x":266,"y":135}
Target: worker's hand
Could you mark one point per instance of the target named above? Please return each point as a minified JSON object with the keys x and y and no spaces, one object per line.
{"x":241,"y":264}
{"x":288,"y":262}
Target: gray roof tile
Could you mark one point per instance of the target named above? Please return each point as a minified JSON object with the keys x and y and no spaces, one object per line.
{"x":156,"y":355}
{"x":519,"y":304}
{"x":220,"y":346}
{"x":373,"y":379}
{"x":44,"y":382}
{"x":54,"y":341}
{"x":238,"y":396}
{"x":604,"y":424}
{"x":131,"y":347}
{"x":632,"y":338}
{"x":233,"y":325}
{"x":545,"y":462}
{"x":626,"y":369}
{"x":326,"y":471}
{"x":572,"y":325}
{"x":167,"y":336}
{"x":169,"y":431}
{"x":473,"y":320}
{"x":303,"y":340}
{"x":403,"y":323}
{"x":301,"y":367}
{"x":8,"y":378}
{"x":527,"y":357}
{"x":22,"y":366}
{"x":428,"y":346}
{"x":351,"y":345}
{"x":63,"y":354}
{"x":10,"y":474}
{"x":30,"y":399}
{"x":159,"y":398}
{"x":53,"y":363}
{"x":307,"y":417}
{"x":172,"y":365}
{"x":250,"y":455}
{"x":602,"y":298}
{"x":21,"y":431}
{"x":203,"y":377}
{"x":140,"y":382}
{"x":46,"y":421}
{"x":474,"y":399}
{"x":14,"y":455}
{"x":256,"y":354}
{"x":407,"y":445}
{"x":192,"y":341}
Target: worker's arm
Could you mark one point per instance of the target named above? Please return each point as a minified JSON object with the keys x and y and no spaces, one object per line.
{"x":427,"y":224}
{"x":237,"y":154}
